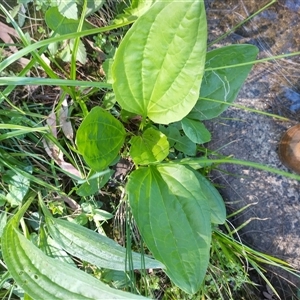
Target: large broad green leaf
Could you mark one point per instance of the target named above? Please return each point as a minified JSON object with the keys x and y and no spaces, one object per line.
{"x":152,"y":146}
{"x":223,"y":84}
{"x":100,"y":138}
{"x":174,"y":219}
{"x":159,"y":65}
{"x":43,"y":277}
{"x":92,"y":247}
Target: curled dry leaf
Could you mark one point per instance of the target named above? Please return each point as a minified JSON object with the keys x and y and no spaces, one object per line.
{"x":53,"y":150}
{"x":64,"y":121}
{"x":6,"y":33}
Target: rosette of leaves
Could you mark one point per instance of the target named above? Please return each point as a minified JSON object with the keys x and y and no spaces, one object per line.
{"x":157,"y":74}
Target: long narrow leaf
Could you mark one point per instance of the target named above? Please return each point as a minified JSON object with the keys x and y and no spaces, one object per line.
{"x":51,"y":81}
{"x":43,"y":277}
{"x":92,"y":247}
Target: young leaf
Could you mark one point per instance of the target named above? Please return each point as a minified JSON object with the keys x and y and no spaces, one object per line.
{"x":151,"y":147}
{"x":100,"y":138}
{"x":159,"y":64}
{"x":195,"y":131}
{"x":173,"y":217}
{"x":223,"y":84}
{"x":185,"y":145}
{"x":136,"y":9}
{"x":92,"y":247}
{"x":43,"y":277}
{"x":62,"y":25}
{"x":93,"y":185}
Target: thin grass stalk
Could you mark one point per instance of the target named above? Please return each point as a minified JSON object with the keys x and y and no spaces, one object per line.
{"x":241,"y":23}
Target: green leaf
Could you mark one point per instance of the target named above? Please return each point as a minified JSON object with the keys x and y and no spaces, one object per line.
{"x":195,"y":163}
{"x":173,"y":217}
{"x":3,"y":221}
{"x":151,"y":147}
{"x":68,"y":9}
{"x":18,"y":188}
{"x":93,"y":185}
{"x":107,"y":68}
{"x":195,"y":131}
{"x":92,"y":247}
{"x":62,"y":25}
{"x":81,"y":53}
{"x":179,"y":142}
{"x":171,"y":132}
{"x":185,"y":145}
{"x":159,"y":64}
{"x":43,"y":277}
{"x":109,"y":101}
{"x":223,"y":84}
{"x":214,"y":199}
{"x":53,"y":249}
{"x":100,"y":138}
{"x":92,"y":6}
{"x":136,"y":9}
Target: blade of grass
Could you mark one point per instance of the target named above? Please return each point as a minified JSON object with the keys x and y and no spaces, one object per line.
{"x":247,"y":108}
{"x":8,"y":61}
{"x":5,"y":161}
{"x":258,"y":270}
{"x":256,"y":61}
{"x":76,"y":42}
{"x":241,"y":23}
{"x":37,"y":57}
{"x":204,"y":162}
{"x":51,"y":81}
{"x":250,"y":253}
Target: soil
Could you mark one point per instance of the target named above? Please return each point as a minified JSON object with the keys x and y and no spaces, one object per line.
{"x":272,"y":87}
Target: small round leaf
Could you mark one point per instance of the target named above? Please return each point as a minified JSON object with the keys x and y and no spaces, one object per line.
{"x":152,"y":146}
{"x":100,"y":138}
